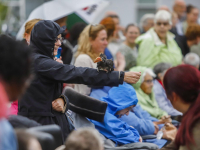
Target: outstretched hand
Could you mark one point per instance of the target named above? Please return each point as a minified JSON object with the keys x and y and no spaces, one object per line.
{"x":132,"y":77}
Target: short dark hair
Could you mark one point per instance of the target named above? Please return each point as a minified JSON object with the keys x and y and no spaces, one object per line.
{"x":15,"y":60}
{"x":189,"y":8}
{"x":161,"y":67}
{"x":75,"y":32}
{"x":131,"y":25}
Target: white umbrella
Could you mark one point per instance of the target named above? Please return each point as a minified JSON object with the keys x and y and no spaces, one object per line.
{"x":56,"y":9}
{"x":91,"y":13}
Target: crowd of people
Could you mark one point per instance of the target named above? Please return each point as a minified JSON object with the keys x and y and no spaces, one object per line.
{"x":152,"y":92}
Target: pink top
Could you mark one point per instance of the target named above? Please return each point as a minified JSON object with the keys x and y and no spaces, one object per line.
{"x":14,"y":108}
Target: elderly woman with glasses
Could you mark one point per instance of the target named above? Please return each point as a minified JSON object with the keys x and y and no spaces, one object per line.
{"x":144,"y":91}
{"x":158,"y":45}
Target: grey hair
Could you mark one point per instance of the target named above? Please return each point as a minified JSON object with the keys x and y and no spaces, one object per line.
{"x":161,"y":68}
{"x":192,"y":59}
{"x":145,"y":18}
{"x":147,"y":71}
{"x":82,"y":135}
{"x":163,"y":15}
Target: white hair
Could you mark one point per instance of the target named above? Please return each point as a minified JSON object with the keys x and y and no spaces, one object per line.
{"x":163,"y":15}
{"x":192,"y":59}
{"x":145,"y":18}
{"x":147,"y":71}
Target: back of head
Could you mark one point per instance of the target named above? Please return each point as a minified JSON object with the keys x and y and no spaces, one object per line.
{"x":161,"y":67}
{"x":184,"y":80}
{"x":193,"y":31}
{"x":29,"y":26}
{"x":15,"y":61}
{"x":109,"y":24}
{"x":26,"y":141}
{"x":192,"y":59}
{"x":89,"y":33}
{"x":145,"y":19}
{"x":163,"y":15}
{"x":178,"y":3}
{"x":84,"y":139}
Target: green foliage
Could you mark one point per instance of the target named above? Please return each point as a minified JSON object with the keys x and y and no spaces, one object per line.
{"x":3,"y":11}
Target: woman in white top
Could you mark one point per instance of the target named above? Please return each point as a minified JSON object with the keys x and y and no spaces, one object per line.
{"x":128,"y":48}
{"x":92,"y":42}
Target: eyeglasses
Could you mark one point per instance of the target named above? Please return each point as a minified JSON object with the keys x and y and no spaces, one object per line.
{"x":91,"y":28}
{"x":61,"y":39}
{"x":160,"y":23}
{"x":148,"y":81}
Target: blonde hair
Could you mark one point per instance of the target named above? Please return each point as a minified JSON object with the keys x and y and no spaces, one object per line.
{"x":84,"y":46}
{"x":29,"y":26}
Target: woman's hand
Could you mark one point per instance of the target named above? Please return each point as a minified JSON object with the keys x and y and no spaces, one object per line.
{"x":165,"y":119}
{"x":58,"y":104}
{"x":169,"y":132}
{"x":59,"y":60}
{"x":132,"y":77}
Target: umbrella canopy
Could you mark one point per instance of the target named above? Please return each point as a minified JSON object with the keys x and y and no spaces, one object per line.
{"x":56,"y":9}
{"x":87,"y":14}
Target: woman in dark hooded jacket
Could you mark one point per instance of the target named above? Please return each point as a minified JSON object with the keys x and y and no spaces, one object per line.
{"x":38,"y":103}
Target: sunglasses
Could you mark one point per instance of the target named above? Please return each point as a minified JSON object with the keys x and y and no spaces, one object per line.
{"x":92,"y":25}
{"x":164,"y":23}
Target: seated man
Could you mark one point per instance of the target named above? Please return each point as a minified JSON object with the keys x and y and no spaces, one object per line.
{"x":112,"y":127}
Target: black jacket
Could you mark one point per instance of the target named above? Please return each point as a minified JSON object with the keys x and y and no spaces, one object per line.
{"x":49,"y":76}
{"x":182,"y":43}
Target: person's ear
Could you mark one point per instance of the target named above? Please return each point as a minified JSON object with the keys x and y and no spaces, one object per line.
{"x":175,"y":97}
{"x":27,"y":37}
{"x":159,"y":76}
